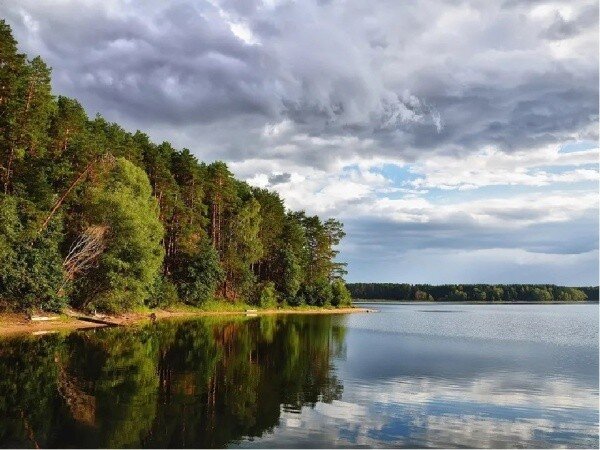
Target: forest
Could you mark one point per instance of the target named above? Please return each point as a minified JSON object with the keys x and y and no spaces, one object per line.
{"x":95,"y":217}
{"x":472,"y":292}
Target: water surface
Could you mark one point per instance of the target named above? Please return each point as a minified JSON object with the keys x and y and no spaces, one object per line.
{"x":417,"y":375}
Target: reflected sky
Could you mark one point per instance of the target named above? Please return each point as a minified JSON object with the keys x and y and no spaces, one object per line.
{"x":414,"y":379}
{"x":408,"y":376}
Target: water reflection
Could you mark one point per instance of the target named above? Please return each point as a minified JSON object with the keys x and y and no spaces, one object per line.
{"x":201,"y":383}
{"x":295,"y":381}
{"x":411,"y":380}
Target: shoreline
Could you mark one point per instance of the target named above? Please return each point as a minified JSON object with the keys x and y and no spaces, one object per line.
{"x":433,"y":302}
{"x":17,"y":324}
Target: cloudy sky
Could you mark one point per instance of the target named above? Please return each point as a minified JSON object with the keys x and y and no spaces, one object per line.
{"x":457,"y":140}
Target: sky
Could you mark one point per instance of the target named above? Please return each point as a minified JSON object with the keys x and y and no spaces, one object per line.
{"x":456,"y":140}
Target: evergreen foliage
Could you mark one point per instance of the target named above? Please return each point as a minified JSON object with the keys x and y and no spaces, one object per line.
{"x":99,"y":218}
{"x":30,"y":267}
{"x":472,"y":292}
{"x":122,"y":201}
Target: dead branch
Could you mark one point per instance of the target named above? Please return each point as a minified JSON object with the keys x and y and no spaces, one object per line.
{"x":85,"y":250}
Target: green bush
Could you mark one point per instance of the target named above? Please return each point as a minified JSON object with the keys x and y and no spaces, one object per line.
{"x":318,"y":293}
{"x":164,"y":293}
{"x":198,"y":276}
{"x":31,"y":275}
{"x":340,"y":294}
{"x":268,"y":296}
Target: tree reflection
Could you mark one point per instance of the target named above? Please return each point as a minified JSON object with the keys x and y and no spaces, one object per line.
{"x":201,"y":383}
{"x":28,"y":391}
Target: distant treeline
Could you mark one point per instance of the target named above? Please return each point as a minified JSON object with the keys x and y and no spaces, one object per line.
{"x":472,"y":292}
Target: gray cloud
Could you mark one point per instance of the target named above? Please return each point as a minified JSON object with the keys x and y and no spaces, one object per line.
{"x":462,"y":233}
{"x":562,"y":28}
{"x":331,"y":69}
{"x":461,"y":251}
{"x":280,"y":178}
{"x":181,"y":65}
{"x":302,"y":87}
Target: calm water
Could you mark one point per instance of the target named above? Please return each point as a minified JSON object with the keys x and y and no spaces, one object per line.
{"x":408,"y":376}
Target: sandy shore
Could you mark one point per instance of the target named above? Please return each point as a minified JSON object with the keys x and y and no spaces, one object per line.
{"x":18,"y":323}
{"x":11,"y":324}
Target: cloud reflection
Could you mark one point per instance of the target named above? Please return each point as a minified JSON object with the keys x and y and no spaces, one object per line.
{"x":427,"y":412}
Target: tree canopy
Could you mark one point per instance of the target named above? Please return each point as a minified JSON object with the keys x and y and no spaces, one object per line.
{"x":100,"y":218}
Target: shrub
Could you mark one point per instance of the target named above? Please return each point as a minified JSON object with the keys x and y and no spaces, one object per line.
{"x":340,"y":294}
{"x":164,"y":293}
{"x":31,"y":275}
{"x":318,"y":293}
{"x":197,"y":276}
{"x":268,"y":296}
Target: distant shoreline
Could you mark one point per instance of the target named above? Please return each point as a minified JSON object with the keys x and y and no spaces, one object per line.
{"x":438,"y":302}
{"x":474,"y":293}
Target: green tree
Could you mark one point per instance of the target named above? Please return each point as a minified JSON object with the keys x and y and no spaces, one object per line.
{"x":537,"y":294}
{"x":422,"y":296}
{"x":479,"y":295}
{"x":29,"y":137}
{"x":12,"y":85}
{"x":164,"y":293}
{"x":69,"y":151}
{"x":141,"y":224}
{"x":567,"y":294}
{"x":458,"y":295}
{"x":318,"y":293}
{"x":291,"y":276}
{"x":242,"y":247}
{"x":334,"y":229}
{"x":270,"y":233}
{"x":123,"y":202}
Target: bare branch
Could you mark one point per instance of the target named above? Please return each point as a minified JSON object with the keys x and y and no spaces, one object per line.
{"x":85,"y":251}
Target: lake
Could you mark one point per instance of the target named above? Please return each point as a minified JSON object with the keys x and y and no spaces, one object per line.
{"x":410,"y":375}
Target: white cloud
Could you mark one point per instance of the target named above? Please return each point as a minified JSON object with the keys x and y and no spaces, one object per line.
{"x":492,"y":167}
{"x":404,"y":401}
{"x":485,"y":390}
{"x":319,"y":96}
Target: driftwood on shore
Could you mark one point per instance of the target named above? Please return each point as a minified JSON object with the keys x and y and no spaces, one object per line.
{"x":87,"y":318}
{"x":42,"y":318}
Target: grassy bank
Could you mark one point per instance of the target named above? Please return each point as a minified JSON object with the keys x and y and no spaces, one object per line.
{"x":12,"y":323}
